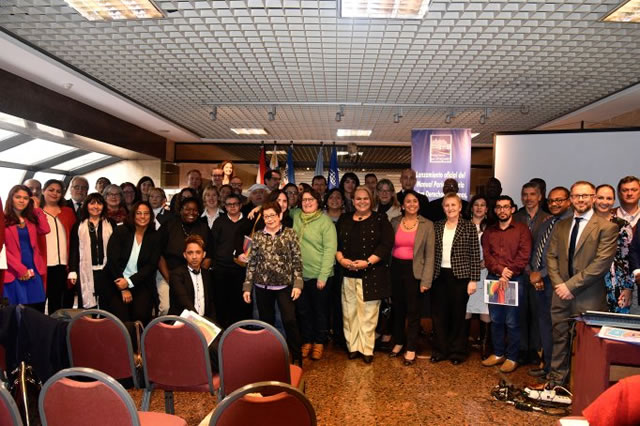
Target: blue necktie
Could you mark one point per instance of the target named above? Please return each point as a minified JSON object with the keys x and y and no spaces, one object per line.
{"x":572,"y":243}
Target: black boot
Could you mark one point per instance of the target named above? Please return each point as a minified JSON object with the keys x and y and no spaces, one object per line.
{"x":486,"y":347}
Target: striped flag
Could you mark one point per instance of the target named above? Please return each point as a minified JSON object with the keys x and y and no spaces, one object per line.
{"x":334,"y":178}
{"x":262,"y":166}
{"x":320,"y":162}
{"x":289,"y":175}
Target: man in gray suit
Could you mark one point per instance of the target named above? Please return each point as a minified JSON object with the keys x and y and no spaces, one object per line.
{"x":580,"y":253}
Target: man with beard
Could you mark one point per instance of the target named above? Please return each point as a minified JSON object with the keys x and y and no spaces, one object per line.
{"x":580,"y":254}
{"x":506,"y":246}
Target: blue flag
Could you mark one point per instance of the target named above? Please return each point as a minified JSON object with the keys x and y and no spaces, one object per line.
{"x":334,"y":179}
{"x":320,"y":162}
{"x":291,"y":176}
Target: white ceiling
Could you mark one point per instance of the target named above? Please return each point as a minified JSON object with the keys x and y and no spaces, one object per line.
{"x":553,"y":57}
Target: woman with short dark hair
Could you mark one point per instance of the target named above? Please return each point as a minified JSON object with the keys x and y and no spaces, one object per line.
{"x":145,"y":184}
{"x":348,"y":184}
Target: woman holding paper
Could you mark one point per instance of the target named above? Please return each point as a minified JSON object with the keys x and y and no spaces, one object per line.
{"x":457,"y":269}
{"x":275,"y":268}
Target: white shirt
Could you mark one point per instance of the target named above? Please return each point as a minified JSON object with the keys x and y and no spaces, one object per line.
{"x":132,"y":264}
{"x":210,"y":219}
{"x":586,"y":217}
{"x":631,"y":218}
{"x":56,"y":242}
{"x":447,"y":243}
{"x":198,"y":291}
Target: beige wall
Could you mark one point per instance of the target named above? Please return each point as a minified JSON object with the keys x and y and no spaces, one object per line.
{"x":126,"y":171}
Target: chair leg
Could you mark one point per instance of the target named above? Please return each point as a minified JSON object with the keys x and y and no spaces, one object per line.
{"x":146,"y":399}
{"x":168,"y":402}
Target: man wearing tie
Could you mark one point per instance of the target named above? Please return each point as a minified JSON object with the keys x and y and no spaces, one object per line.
{"x":580,"y":253}
{"x":78,"y":189}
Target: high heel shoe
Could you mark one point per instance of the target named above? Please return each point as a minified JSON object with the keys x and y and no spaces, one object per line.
{"x":394,"y":354}
{"x":411,"y":361}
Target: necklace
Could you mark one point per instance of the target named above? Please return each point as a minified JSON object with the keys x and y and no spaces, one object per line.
{"x":186,"y":234}
{"x":363,"y":217}
{"x":409,"y":228}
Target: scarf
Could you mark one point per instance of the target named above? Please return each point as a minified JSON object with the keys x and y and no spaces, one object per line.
{"x":85,"y":266}
{"x":306,"y":219}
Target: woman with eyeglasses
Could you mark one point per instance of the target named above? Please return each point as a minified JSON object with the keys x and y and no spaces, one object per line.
{"x":88,"y":254}
{"x":318,"y":244}
{"x":130,"y":194}
{"x":275,"y":269}
{"x":26,"y":264}
{"x":132,"y":260}
{"x":61,"y":219}
{"x":365,"y":240}
{"x":116,"y":208}
{"x":619,"y":279}
{"x":293,"y":194}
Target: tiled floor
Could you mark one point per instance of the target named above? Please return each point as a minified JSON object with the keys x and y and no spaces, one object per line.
{"x":349,"y":392}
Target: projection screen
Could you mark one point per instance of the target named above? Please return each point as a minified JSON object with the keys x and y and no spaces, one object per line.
{"x":563,"y":157}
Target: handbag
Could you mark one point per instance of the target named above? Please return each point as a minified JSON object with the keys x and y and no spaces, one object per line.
{"x":25,"y":389}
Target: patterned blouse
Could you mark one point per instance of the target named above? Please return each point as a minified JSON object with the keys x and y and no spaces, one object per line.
{"x":619,"y":276}
{"x":274,"y":260}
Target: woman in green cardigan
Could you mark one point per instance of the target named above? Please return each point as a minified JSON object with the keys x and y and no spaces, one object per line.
{"x":318,"y":244}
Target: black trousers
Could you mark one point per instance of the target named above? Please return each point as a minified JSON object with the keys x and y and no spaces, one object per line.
{"x":529,"y":330}
{"x":334,"y":284}
{"x":101,"y":285}
{"x":407,"y":300}
{"x":58,"y":294}
{"x":313,"y":313}
{"x":448,"y":309}
{"x":265,"y":300}
{"x":140,"y":307}
{"x":230,"y":307}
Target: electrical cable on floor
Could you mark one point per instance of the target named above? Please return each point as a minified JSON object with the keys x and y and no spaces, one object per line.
{"x":509,"y":394}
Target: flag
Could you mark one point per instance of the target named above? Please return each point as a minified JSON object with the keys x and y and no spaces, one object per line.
{"x":320,"y":162}
{"x":273,"y":164}
{"x":334,"y":178}
{"x":289,"y":173}
{"x":262,"y":166}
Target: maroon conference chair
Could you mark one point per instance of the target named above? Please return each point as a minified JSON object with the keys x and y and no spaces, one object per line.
{"x":255,"y":354}
{"x":9,"y":414}
{"x":175,"y":358}
{"x":103,"y":344}
{"x":101,"y":402}
{"x":283,"y":405}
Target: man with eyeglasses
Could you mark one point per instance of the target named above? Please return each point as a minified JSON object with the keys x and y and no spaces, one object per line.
{"x":79,"y":188}
{"x":580,"y":254}
{"x":506,"y":246}
{"x":227,"y":234}
{"x":217,"y":176}
{"x":236,"y":184}
{"x":559,"y":204}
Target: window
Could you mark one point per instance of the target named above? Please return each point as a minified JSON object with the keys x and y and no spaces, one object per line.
{"x":82,"y":161}
{"x":9,"y":178}
{"x":35,"y":151}
{"x":5,"y":134}
{"x":43,"y":177}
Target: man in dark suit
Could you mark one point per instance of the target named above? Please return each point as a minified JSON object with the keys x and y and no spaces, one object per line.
{"x":190,"y":285}
{"x":79,"y":188}
{"x":408,"y":182}
{"x":580,"y":253}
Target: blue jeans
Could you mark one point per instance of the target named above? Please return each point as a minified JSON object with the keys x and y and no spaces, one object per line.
{"x":544,"y":321}
{"x":509,"y":316}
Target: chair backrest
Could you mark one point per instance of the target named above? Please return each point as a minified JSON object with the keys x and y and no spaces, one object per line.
{"x":9,"y":414}
{"x":285,"y":406}
{"x":175,"y":355}
{"x":64,"y":401}
{"x":103,"y":344}
{"x":252,"y":355}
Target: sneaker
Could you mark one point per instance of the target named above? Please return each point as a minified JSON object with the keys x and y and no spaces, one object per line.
{"x":509,"y":366}
{"x":493,"y":360}
{"x":306,"y":348}
{"x":317,"y":351}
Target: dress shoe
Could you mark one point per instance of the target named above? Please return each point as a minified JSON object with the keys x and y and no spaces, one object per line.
{"x":368,"y":359}
{"x":537,"y":372}
{"x":316,"y":352}
{"x":305,"y":349}
{"x":436,"y":358}
{"x":493,"y":360}
{"x":409,"y":362}
{"x":394,"y":354}
{"x":509,"y":366}
{"x":354,"y":355}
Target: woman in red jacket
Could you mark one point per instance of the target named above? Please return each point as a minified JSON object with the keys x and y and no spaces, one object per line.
{"x":25,"y":263}
{"x":60,"y":219}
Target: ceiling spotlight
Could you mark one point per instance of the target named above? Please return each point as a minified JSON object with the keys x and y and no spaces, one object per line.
{"x":213,"y":114}
{"x":397,"y":116}
{"x":450,"y":116}
{"x":340,"y":113}
{"x":484,"y":116}
{"x":524,"y":109}
{"x":272,"y":113}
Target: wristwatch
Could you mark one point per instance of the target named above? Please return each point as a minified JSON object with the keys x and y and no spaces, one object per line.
{"x":369,"y":264}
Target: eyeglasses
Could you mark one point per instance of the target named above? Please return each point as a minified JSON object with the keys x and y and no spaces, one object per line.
{"x":556,"y":200}
{"x":232,"y":204}
{"x":270,"y":216}
{"x":581,"y":196}
{"x":113,"y":194}
{"x":292,"y":192}
{"x":503,"y":207}
{"x":308,"y":200}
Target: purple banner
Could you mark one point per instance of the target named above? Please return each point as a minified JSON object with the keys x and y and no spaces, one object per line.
{"x":439,"y":154}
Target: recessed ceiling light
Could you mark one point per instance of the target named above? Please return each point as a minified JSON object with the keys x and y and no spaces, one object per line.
{"x":116,"y":10}
{"x":249,"y":131}
{"x":394,"y":9}
{"x":626,"y":12}
{"x":343,"y":153}
{"x":353,"y":132}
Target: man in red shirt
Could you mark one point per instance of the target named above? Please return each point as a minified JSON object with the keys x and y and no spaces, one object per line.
{"x":506,"y":246}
